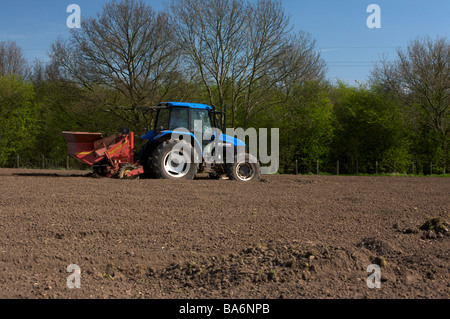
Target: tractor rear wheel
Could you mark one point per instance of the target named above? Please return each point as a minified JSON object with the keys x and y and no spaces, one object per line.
{"x":247,"y":170}
{"x":174,"y":159}
{"x":145,"y":158}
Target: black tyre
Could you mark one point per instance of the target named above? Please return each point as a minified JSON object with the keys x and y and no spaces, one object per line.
{"x":145,"y":158}
{"x":178,"y":163}
{"x":247,"y":170}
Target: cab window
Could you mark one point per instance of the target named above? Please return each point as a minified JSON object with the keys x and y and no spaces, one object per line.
{"x":200,"y":121}
{"x":163,"y":119}
{"x":179,"y":118}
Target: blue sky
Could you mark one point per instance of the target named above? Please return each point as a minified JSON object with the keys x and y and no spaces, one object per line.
{"x":348,"y":46}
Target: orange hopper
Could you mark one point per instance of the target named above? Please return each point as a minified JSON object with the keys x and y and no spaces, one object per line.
{"x":80,"y":146}
{"x":114,"y":154}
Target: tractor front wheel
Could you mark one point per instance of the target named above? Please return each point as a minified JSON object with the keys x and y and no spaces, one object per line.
{"x":246,"y":170}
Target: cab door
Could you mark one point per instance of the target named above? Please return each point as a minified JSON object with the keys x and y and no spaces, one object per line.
{"x":201,"y":124}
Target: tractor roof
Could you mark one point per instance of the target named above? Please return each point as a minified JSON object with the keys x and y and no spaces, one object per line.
{"x":184,"y":104}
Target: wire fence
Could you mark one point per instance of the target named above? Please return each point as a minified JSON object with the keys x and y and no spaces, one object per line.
{"x":42,"y":162}
{"x":371,"y":168}
{"x":297,"y":167}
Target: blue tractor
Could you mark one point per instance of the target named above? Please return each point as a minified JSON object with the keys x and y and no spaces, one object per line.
{"x":186,"y":140}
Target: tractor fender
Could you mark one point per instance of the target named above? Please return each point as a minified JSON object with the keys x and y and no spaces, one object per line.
{"x":148,"y":136}
{"x":231,"y":140}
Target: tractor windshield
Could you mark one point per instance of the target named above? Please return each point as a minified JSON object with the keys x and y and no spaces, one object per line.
{"x":162,"y":121}
{"x":179,"y":118}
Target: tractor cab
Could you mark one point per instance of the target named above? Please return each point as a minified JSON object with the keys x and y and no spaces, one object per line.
{"x":172,"y":116}
{"x":197,"y":122}
{"x":193,"y":117}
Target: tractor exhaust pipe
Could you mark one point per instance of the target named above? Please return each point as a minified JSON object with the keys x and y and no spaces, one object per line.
{"x":224,"y":119}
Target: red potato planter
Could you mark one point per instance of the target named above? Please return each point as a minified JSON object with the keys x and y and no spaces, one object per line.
{"x":112,"y":156}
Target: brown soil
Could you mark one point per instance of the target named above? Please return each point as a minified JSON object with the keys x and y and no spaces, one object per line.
{"x":284,"y":237}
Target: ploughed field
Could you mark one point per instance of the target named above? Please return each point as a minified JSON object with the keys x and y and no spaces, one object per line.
{"x":282,"y":237}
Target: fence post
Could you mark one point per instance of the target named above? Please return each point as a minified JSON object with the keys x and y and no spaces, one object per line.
{"x":431,"y":168}
{"x":296,"y":167}
{"x":67,"y":162}
{"x":337,"y":168}
{"x":43,"y":161}
{"x":317,"y":167}
{"x":376,"y":167}
{"x":17,"y":161}
{"x":413,"y":171}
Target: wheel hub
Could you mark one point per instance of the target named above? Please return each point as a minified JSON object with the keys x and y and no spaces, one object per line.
{"x":177,"y":164}
{"x":245,"y":171}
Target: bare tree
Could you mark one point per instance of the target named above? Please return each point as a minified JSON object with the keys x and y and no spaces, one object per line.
{"x":212,"y":36}
{"x":420,"y":78}
{"x":12,"y":61}
{"x":300,"y":62}
{"x":127,"y":48}
{"x":240,"y":50}
{"x":292,"y":62}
